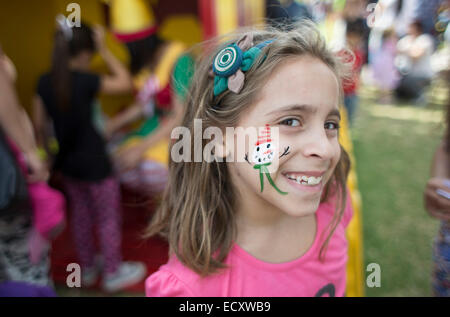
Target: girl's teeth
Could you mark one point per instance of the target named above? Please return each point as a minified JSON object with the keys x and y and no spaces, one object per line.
{"x":306,"y":180}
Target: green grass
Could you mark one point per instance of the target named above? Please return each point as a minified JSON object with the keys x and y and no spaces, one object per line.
{"x":393,"y":148}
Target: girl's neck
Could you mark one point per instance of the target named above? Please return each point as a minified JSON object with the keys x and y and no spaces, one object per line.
{"x":271,"y":235}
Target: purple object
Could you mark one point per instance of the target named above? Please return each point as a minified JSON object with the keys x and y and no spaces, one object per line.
{"x":447,"y":183}
{"x":443,"y":193}
{"x":22,"y":289}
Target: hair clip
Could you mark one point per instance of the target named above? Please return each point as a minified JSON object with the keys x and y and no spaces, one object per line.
{"x":231,"y":62}
{"x":64,"y":26}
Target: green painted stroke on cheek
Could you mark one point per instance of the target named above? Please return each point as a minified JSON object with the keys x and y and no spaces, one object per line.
{"x":264,"y":170}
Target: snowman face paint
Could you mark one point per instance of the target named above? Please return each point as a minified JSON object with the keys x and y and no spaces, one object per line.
{"x":263,"y":155}
{"x":305,"y":111}
{"x":264,"y":150}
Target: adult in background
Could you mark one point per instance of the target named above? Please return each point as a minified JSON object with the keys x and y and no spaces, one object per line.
{"x":414,"y":62}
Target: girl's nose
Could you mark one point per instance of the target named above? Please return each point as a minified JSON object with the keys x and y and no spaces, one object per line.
{"x":317,"y":144}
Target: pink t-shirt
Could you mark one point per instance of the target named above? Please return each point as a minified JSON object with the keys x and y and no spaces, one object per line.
{"x":247,"y":276}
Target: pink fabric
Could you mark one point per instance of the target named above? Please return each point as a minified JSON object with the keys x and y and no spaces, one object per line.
{"x":248,"y":276}
{"x":48,"y":205}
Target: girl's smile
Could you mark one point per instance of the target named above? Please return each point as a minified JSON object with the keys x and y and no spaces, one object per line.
{"x":305,"y":181}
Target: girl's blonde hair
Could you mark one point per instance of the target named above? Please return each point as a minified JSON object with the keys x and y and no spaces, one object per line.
{"x":197,"y":212}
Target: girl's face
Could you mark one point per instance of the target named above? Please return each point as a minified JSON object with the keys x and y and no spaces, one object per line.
{"x":301,"y":100}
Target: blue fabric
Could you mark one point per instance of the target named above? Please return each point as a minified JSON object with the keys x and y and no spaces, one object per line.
{"x":441,"y":259}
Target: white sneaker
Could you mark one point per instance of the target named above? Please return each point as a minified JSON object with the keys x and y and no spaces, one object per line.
{"x":127,"y":274}
{"x":89,"y":276}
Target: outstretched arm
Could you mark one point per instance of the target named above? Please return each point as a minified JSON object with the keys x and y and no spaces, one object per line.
{"x":119,"y":81}
{"x":17,"y":125}
{"x":131,"y":114}
{"x":128,"y":158}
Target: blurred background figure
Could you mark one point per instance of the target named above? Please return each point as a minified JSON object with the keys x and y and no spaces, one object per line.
{"x":426,"y":14}
{"x":161,"y":72}
{"x":66,"y":96}
{"x":382,"y":63}
{"x":414,"y":61}
{"x":355,"y":43}
{"x":355,"y":13}
{"x":19,"y":275}
{"x":282,"y":13}
{"x":385,"y":16}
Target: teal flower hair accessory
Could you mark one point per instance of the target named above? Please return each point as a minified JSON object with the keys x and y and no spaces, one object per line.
{"x":231,"y":62}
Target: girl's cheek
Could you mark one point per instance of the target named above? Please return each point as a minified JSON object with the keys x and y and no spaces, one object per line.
{"x":337,"y":156}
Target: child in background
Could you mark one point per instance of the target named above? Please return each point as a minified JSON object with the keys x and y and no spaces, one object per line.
{"x":383,"y":66}
{"x":354,"y":40}
{"x":413,"y":60}
{"x":161,"y":73}
{"x":66,"y":94}
{"x":234,"y":228}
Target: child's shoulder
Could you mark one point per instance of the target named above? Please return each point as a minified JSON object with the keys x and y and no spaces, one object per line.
{"x":172,"y":279}
{"x":164,"y":283}
{"x":175,"y":279}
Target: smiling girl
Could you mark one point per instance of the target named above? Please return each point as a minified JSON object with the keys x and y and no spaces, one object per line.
{"x":234,"y":228}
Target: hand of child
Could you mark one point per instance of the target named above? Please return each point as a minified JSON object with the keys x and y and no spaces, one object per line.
{"x":38,"y":171}
{"x":99,"y":37}
{"x":129,"y":157}
{"x":437,"y":198}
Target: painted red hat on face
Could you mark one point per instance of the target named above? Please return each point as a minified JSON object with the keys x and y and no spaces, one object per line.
{"x":264,"y":137}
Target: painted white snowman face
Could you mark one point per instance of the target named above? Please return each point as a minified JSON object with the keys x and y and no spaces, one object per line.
{"x":263,"y":153}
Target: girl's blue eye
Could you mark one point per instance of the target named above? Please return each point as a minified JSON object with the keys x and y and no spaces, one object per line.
{"x":291,"y":122}
{"x":332,"y":126}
